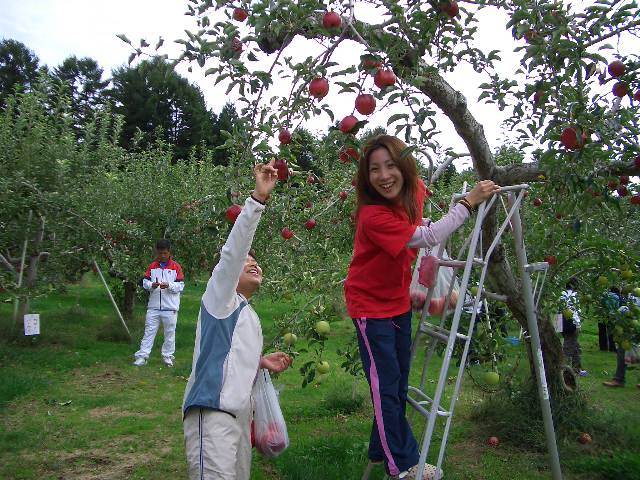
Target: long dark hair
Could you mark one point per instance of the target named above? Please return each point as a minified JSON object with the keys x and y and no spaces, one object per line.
{"x":367,"y":194}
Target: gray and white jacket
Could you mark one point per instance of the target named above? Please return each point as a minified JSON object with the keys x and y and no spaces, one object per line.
{"x":229,"y":340}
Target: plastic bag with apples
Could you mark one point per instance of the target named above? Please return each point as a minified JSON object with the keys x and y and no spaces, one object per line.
{"x":270,"y":429}
{"x":426,"y":274}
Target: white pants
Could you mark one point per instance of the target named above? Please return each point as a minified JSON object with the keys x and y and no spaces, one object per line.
{"x":168,"y":319}
{"x":218,"y":446}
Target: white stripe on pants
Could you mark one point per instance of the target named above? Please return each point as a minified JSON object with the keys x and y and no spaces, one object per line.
{"x":218,"y":446}
{"x":168,"y":318}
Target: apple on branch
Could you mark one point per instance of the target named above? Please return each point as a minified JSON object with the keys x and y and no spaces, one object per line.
{"x":365,"y":103}
{"x":319,"y":87}
{"x":331,"y":20}
{"x":284,"y":136}
{"x":240,"y":14}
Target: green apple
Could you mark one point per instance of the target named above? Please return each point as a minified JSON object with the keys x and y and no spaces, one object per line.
{"x":323,"y":367}
{"x":625,"y":345}
{"x":636,"y":292}
{"x":603,"y":281}
{"x":323,"y":328}
{"x":626,"y":274}
{"x":290,"y":338}
{"x":474,"y":290}
{"x":491,"y":378}
{"x":567,"y":314}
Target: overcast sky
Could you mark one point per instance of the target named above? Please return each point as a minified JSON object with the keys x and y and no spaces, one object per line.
{"x":56,"y":29}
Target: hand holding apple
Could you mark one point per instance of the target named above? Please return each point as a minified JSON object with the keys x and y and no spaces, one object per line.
{"x":266,"y":179}
{"x":155,"y":285}
{"x":164,"y":285}
{"x":276,"y":362}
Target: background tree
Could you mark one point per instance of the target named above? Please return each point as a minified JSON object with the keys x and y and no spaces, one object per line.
{"x":18,"y":68}
{"x":154,"y":99}
{"x":82,"y":78}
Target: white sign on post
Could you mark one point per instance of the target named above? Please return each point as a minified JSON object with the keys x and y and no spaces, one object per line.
{"x":556,"y":319}
{"x":32,"y":324}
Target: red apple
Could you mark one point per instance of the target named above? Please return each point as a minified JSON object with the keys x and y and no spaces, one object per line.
{"x":310,"y":224}
{"x":232,"y":213}
{"x":354,"y":182}
{"x":417,"y":299}
{"x":585,"y":438}
{"x":308,"y":205}
{"x":620,"y":89}
{"x":311,"y":179}
{"x":240,"y":14}
{"x":551,"y":259}
{"x":427,"y":193}
{"x":349,"y":154}
{"x":558,"y":216}
{"x":493,"y":441}
{"x":622,"y":191}
{"x":537,"y":202}
{"x":331,"y":20}
{"x":319,"y":87}
{"x":286,"y":233}
{"x":284,"y":136}
{"x":283,"y":169}
{"x":635,"y":200}
{"x":384,"y":78}
{"x":343,"y":195}
{"x":612,"y":185}
{"x":369,"y":62}
{"x":347,"y":123}
{"x":569,"y":138}
{"x":451,"y":8}
{"x":236,"y":45}
{"x":365,"y":103}
{"x":616,"y":68}
{"x":636,"y":96}
{"x":624,"y":179}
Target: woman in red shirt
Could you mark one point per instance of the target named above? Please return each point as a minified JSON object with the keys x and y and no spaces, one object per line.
{"x":389,"y":231}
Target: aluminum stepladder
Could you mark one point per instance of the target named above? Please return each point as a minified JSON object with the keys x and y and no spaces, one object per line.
{"x":430,"y":408}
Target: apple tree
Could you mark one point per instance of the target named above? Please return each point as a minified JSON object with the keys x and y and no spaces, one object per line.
{"x":570,"y":103}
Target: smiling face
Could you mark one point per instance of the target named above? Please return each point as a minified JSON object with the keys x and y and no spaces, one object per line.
{"x":384,"y":175}
{"x":250,"y":277}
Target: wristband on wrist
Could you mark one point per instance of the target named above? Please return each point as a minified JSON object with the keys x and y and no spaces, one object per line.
{"x":259,"y":201}
{"x":467,"y":205}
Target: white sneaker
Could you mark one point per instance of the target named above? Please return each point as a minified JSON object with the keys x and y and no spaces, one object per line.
{"x":168,"y":361}
{"x":140,"y":361}
{"x":430,"y":473}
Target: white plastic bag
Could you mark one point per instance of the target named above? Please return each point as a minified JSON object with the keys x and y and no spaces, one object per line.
{"x":270,"y":429}
{"x":633,"y":355}
{"x":425,"y":276}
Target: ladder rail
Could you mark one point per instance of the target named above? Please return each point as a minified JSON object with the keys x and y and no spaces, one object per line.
{"x":426,"y":441}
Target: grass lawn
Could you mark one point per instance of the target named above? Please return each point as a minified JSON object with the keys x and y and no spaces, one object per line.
{"x":72,"y":406}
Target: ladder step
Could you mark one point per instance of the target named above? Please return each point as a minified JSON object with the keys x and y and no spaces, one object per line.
{"x":536,"y":267}
{"x":460,"y":263}
{"x":418,"y":405}
{"x":440,"y":333}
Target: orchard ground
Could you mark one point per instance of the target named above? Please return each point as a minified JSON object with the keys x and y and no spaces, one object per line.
{"x":72,"y":406}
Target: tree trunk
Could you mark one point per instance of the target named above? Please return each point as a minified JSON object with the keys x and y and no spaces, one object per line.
{"x":129,"y":299}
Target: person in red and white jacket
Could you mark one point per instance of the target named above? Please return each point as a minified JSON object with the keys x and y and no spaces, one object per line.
{"x":164,"y":281}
